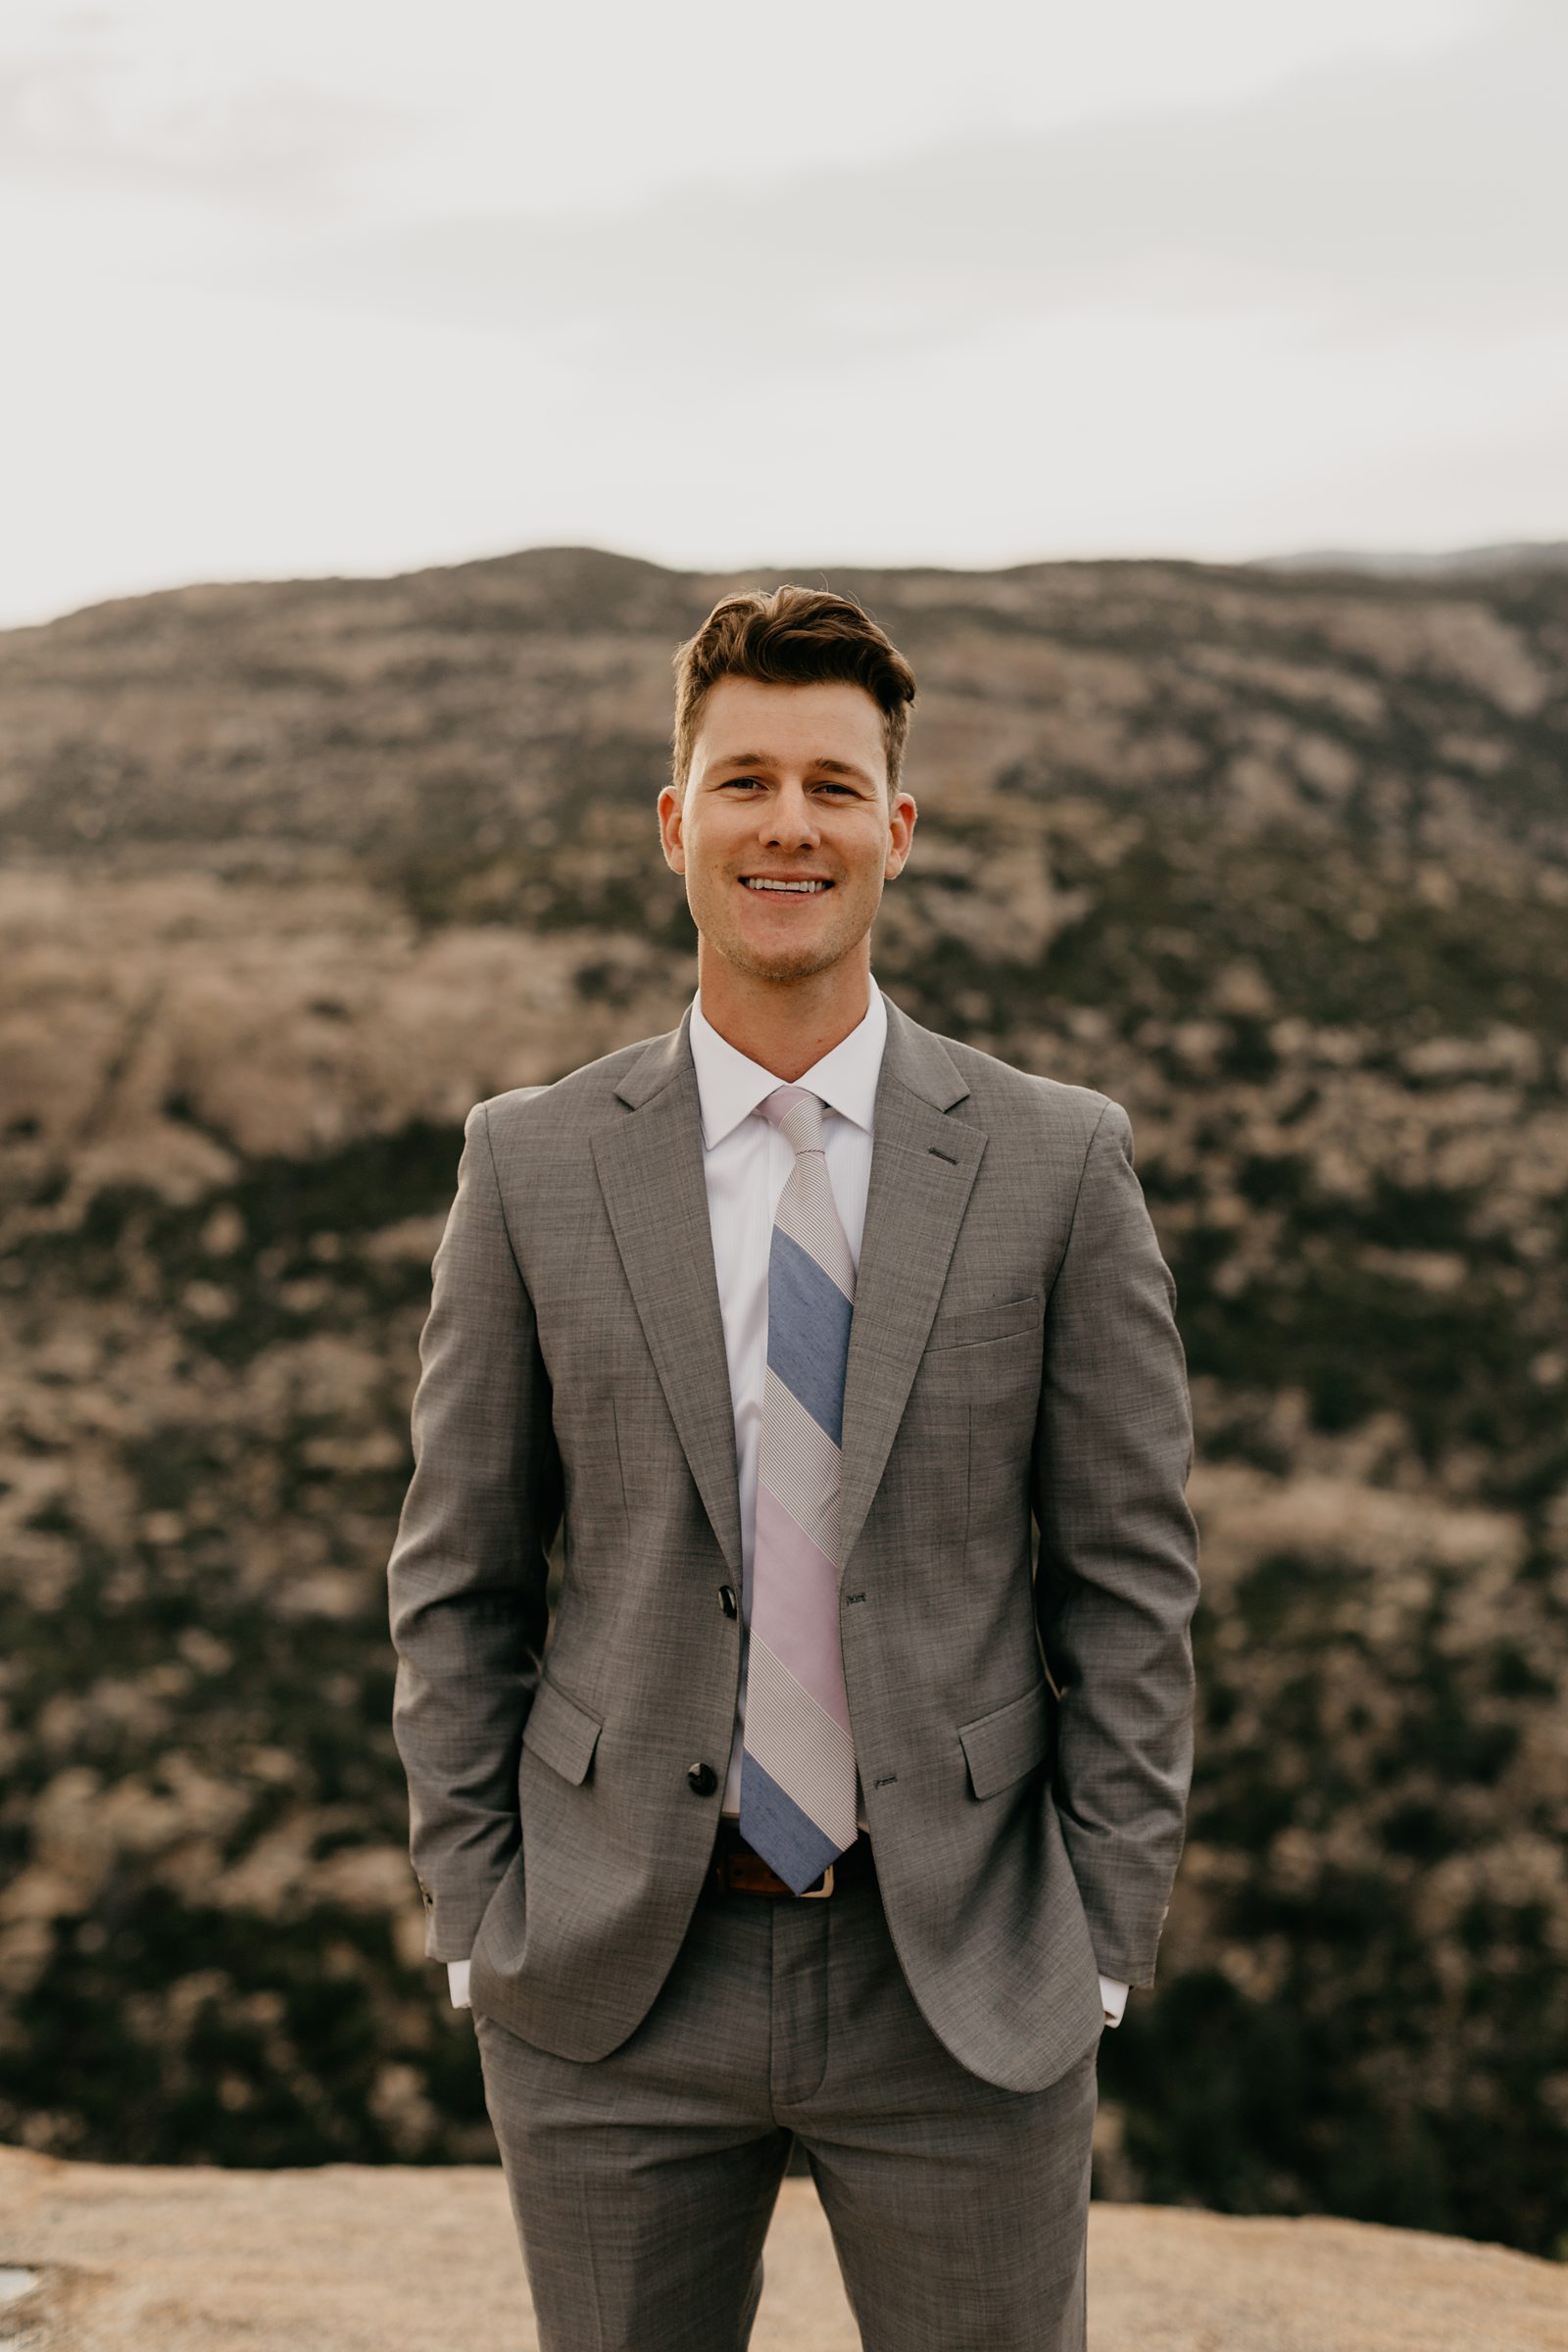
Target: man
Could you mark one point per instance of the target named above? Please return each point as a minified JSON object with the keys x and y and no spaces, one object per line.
{"x":822,"y":1814}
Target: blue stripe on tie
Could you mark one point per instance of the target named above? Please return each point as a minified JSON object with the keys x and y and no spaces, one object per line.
{"x":794,"y":1844}
{"x":807,"y":1332}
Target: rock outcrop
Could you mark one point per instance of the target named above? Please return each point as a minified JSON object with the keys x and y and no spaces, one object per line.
{"x":401,"y":2258}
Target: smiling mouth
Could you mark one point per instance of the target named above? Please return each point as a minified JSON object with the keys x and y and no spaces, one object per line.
{"x":812,"y":886}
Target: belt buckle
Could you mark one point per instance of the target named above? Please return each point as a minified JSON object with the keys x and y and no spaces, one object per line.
{"x":815,"y":1894}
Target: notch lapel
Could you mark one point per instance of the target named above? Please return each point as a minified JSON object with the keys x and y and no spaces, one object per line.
{"x":650,"y":1169}
{"x":923,"y":1167}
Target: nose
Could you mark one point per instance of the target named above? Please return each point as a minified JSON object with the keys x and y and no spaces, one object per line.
{"x":790,"y":819}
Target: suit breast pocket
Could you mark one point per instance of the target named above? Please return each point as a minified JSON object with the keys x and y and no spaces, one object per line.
{"x":999,"y":1319}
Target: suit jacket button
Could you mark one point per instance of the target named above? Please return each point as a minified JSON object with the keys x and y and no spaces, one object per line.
{"x":702,"y":1779}
{"x":727,"y":1601}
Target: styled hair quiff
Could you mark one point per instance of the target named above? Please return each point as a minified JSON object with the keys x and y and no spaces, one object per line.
{"x":791,"y":636}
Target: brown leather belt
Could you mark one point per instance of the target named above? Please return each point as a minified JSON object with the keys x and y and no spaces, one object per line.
{"x":736,"y":1869}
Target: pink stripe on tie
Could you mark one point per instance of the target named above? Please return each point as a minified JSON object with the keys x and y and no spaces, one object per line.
{"x":797,"y":1775}
{"x":794,"y":1607}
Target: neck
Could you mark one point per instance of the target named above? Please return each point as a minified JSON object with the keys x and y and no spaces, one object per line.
{"x":784,"y":1025}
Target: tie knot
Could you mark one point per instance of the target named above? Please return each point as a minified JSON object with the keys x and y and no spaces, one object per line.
{"x":797,"y":1113}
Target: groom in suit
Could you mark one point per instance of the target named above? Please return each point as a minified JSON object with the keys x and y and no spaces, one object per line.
{"x":822,"y":1809}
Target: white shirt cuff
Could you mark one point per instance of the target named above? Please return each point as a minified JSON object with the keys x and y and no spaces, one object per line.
{"x":457,"y":1980}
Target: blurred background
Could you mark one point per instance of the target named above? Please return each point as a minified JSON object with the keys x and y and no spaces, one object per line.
{"x":386,"y":396}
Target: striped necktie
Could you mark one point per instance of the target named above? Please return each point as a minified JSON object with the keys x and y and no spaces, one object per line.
{"x":798,"y":1790}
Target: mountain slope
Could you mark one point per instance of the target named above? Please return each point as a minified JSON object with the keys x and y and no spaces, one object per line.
{"x":295,"y":873}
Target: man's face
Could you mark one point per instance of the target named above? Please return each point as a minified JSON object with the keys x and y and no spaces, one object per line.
{"x":788,"y":784}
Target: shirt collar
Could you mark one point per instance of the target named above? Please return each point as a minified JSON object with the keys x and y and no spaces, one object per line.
{"x":730,"y":1085}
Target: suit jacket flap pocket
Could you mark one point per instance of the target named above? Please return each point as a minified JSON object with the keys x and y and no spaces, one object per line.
{"x":1004,"y":1746}
{"x":559,"y":1732}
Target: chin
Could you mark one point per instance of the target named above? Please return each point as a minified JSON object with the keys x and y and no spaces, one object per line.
{"x":796,"y":963}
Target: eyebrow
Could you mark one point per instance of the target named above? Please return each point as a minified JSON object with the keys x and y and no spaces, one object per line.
{"x":832,"y":767}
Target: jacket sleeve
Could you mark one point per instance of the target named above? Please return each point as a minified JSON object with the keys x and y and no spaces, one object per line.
{"x":468,"y":1577}
{"x":1117,"y":1579}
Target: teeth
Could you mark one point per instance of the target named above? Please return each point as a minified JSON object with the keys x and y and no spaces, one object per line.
{"x":805,"y":888}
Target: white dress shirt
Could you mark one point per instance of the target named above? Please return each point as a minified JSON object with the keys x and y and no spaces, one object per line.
{"x":745,"y":1164}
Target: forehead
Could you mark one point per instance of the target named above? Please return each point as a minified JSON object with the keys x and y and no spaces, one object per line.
{"x":748,"y":718}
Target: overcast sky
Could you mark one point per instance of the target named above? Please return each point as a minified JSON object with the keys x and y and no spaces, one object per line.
{"x":303,"y":286}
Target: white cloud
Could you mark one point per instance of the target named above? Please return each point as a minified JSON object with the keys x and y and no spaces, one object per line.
{"x":1376,"y":197}
{"x":1242,"y":313}
{"x":86,"y":115}
{"x":487,"y":107}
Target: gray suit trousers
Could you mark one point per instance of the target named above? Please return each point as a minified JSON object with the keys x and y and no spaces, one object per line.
{"x":642,"y":2183}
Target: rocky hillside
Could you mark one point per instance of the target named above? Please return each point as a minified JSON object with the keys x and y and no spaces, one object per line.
{"x":294,"y":874}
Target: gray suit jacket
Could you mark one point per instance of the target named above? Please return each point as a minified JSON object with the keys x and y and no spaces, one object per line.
{"x":1013,"y":1358}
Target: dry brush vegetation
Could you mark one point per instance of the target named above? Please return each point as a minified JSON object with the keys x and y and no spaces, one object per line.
{"x":294,"y":874}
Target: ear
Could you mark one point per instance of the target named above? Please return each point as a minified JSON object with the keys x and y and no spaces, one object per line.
{"x":671,"y":828}
{"x":901,"y":833}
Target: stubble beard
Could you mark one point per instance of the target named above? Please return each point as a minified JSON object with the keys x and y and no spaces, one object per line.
{"x":798,"y":963}
{"x":802,"y":966}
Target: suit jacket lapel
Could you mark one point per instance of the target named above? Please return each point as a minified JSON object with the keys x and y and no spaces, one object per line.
{"x":650,"y":1169}
{"x":923,"y":1167}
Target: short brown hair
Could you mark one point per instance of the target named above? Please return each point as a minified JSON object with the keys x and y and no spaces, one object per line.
{"x":796,"y":637}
